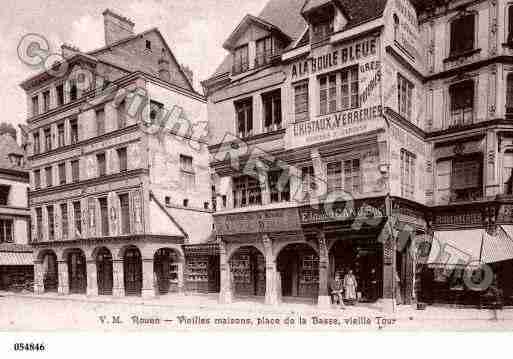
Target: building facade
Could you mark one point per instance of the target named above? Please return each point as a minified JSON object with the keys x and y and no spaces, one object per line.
{"x":346,"y":135}
{"x":119,"y":180}
{"x":16,"y":269}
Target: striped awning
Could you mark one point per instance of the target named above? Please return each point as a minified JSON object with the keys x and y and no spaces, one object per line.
{"x":497,"y":248}
{"x":16,"y":259}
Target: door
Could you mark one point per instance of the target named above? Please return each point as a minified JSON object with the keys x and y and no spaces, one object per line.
{"x":133,"y":272}
{"x":104,"y":273}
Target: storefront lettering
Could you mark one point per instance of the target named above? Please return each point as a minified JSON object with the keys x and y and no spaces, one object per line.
{"x":339,"y":57}
{"x":346,"y":213}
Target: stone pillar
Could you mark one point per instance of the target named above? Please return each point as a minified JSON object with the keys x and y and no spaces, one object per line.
{"x":180,"y":268}
{"x":271,"y":290}
{"x":92,"y":280}
{"x":63,"y":278}
{"x":225,"y":294}
{"x":389,"y":260}
{"x":323,"y":300}
{"x":39,"y":285}
{"x":118,"y":285}
{"x":148,"y":282}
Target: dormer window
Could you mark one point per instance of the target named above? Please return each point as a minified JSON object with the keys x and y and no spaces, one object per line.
{"x":266,"y":48}
{"x":241,"y":59}
{"x":322,"y":31}
{"x":322,"y":19}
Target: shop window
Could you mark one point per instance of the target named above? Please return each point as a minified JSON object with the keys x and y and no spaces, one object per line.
{"x":508,"y":172}
{"x":187,"y":174}
{"x":51,"y":223}
{"x":46,"y":101}
{"x":509,"y":93}
{"x":101,"y":164}
{"x":122,"y":159}
{"x":462,"y":34}
{"x":77,"y":212}
{"x":265,"y":49}
{"x":4,"y":194}
{"x":466,"y":179}
{"x":510,"y":25}
{"x":35,"y":105}
{"x":240,"y":59}
{"x":59,"y":89}
{"x":37,"y":143}
{"x":272,"y":110}
{"x":352,"y":176}
{"x":247,"y":192}
{"x":62,"y":173}
{"x":462,"y":103}
{"x":244,"y":111}
{"x":404,"y":96}
{"x":308,"y":183}
{"x":100,"y":122}
{"x":407,"y":174}
{"x":39,"y":223}
{"x":104,"y":215}
{"x":60,"y":134}
{"x":49,"y":176}
{"x":75,"y":171}
{"x":279,"y":186}
{"x":74,"y":131}
{"x":48,"y":138}
{"x":6,"y":235}
{"x":301,"y":99}
{"x":37,"y":179}
{"x":64,"y":216}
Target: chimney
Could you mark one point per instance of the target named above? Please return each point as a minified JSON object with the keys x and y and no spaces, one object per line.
{"x":116,"y":27}
{"x":188,"y":72}
{"x":164,"y":73}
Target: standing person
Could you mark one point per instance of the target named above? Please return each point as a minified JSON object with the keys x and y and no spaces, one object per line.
{"x":337,"y":287}
{"x":350,"y":286}
{"x":398,"y":296}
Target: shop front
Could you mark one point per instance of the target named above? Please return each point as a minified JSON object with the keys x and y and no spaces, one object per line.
{"x":202,"y":273}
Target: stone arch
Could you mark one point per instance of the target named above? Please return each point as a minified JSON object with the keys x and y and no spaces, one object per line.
{"x":280,"y":246}
{"x":103,"y":259}
{"x":247,"y":265}
{"x":77,"y":269}
{"x":132,"y":269}
{"x":49,"y":267}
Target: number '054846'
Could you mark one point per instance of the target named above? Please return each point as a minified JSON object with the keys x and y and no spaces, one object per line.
{"x":29,"y":347}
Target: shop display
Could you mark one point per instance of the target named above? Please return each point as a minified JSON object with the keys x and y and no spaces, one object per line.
{"x":197,"y":270}
{"x":310,"y":269}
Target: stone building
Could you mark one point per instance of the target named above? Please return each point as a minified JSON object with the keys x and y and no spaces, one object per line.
{"x":16,"y":269}
{"x":119,"y":170}
{"x":349,"y":134}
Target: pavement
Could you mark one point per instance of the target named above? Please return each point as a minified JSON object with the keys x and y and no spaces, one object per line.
{"x":178,"y":312}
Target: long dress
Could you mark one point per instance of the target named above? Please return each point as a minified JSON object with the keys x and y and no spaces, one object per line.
{"x":350,"y":287}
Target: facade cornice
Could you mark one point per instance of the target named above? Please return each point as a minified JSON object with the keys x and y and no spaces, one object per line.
{"x":103,"y":240}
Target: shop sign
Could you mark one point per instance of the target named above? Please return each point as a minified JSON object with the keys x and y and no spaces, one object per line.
{"x":459,"y":219}
{"x":279,"y":220}
{"x":338,"y":212}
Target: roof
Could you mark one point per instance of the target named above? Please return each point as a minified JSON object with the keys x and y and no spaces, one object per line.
{"x":9,"y":146}
{"x":286,"y":15}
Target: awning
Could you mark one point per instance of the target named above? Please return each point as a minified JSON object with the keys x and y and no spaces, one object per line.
{"x":16,"y":259}
{"x":472,"y":247}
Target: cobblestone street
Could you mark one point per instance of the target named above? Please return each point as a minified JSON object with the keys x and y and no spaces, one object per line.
{"x":18,"y":312}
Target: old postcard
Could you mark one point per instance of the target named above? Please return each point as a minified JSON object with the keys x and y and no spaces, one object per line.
{"x":256,"y":165}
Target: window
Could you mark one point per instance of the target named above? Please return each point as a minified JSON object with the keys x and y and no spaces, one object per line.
{"x":122,"y":159}
{"x":51,"y":223}
{"x":462,"y":103}
{"x":265,"y":49}
{"x":466,"y":179}
{"x":104,"y":216}
{"x":407,"y":174}
{"x":6,"y":235}
{"x":100,"y":122}
{"x":48,"y":177}
{"x":64,"y":216}
{"x":508,"y":173}
{"x":322,"y":30}
{"x":509,"y":92}
{"x":73,"y":90}
{"x":155,"y":110}
{"x":37,"y":143}
{"x":462,"y":34}
{"x":125,"y":213}
{"x":60,"y":94}
{"x":60,"y":134}
{"x":279,"y":187}
{"x":4,"y":195}
{"x":37,"y":179}
{"x":167,"y":200}
{"x":272,"y":110}
{"x":77,"y":212}
{"x":247,"y":192}
{"x":186,"y":202}
{"x":148,"y":45}
{"x":75,"y":174}
{"x":352,"y":176}
{"x":404,"y":96}
{"x":102,"y":164}
{"x":334,"y":176}
{"x":35,"y":105}
{"x":328,"y":94}
{"x":301,"y":101}
{"x":206,"y":205}
{"x":188,"y":177}
{"x":74,"y":130}
{"x":349,"y":88}
{"x":39,"y":223}
{"x":121,"y":111}
{"x":48,"y":138}
{"x":62,"y":173}
{"x":396,"y":27}
{"x":308,"y":183}
{"x":244,"y":111}
{"x":46,"y":101}
{"x":240,"y":59}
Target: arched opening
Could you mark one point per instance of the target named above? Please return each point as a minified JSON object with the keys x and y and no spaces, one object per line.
{"x":165,"y":266}
{"x":104,"y":272}
{"x":298,"y":265}
{"x":77,"y":271}
{"x":365,"y":260}
{"x":132,"y":270}
{"x":247,"y":267}
{"x":50,"y":272}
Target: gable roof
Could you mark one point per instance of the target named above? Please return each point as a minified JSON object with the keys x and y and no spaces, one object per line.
{"x":9,"y":146}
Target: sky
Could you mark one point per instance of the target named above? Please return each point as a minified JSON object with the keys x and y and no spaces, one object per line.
{"x":195,"y":31}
